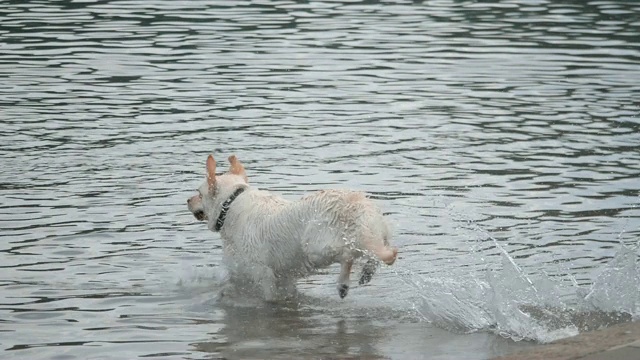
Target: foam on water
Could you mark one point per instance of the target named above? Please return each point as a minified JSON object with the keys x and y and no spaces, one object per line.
{"x":513,"y":304}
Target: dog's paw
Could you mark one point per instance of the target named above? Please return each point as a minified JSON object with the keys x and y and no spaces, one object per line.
{"x":365,"y":278}
{"x":343,"y":290}
{"x":367,"y":272}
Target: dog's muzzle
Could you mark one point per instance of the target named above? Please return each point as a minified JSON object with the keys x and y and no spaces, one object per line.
{"x":195,"y":206}
{"x":200,"y":215}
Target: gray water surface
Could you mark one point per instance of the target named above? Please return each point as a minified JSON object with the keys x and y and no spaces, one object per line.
{"x":502,"y":139}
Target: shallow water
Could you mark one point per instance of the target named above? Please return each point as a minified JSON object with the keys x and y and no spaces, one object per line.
{"x":501,"y":138}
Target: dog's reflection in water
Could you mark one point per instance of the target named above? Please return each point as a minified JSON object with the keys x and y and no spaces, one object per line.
{"x":290,"y":330}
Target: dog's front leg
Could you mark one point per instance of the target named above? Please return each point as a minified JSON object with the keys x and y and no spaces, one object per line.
{"x":267,"y":281}
{"x":343,"y":280}
{"x":286,"y":287}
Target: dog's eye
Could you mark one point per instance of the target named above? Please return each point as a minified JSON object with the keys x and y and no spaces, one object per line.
{"x":199,"y":194}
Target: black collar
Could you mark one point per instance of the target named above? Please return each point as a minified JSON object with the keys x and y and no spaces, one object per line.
{"x":225,"y":208}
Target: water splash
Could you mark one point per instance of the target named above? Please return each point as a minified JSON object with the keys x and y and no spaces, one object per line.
{"x":617,"y":287}
{"x":521,"y":307}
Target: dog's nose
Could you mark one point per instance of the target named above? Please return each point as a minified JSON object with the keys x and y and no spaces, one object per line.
{"x":189,"y":201}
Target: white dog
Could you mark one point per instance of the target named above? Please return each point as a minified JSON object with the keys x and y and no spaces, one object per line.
{"x":273,"y":242}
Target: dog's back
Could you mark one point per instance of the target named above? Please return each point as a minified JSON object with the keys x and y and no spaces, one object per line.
{"x":351,"y":218}
{"x":304,"y":235}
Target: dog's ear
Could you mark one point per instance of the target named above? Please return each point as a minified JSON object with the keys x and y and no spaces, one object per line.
{"x":237,"y":168}
{"x":211,"y":173}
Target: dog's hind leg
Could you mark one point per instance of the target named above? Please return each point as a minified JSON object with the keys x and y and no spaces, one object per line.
{"x":343,"y":280}
{"x":368,"y":270}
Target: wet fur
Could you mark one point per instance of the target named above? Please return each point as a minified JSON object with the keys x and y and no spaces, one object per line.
{"x":272,"y":242}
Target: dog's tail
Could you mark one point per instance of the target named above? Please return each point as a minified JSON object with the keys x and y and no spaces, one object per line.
{"x":386,"y":254}
{"x":379,"y":246}
{"x":375,"y":239}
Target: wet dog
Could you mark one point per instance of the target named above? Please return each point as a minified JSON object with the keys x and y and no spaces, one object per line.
{"x":272,"y":242}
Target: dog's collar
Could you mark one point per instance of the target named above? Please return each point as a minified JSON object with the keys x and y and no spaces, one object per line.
{"x":225,"y":208}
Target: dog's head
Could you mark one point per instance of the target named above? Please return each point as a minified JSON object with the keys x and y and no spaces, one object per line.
{"x":207,"y":204}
